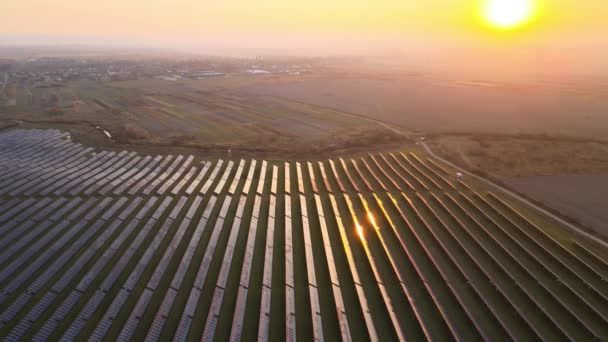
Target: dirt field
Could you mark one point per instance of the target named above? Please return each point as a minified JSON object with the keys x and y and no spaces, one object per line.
{"x":452,"y":104}
{"x":329,"y":109}
{"x":505,"y":157}
{"x":206,"y":115}
{"x":581,"y":197}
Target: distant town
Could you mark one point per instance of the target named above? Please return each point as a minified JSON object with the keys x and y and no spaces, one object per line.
{"x":47,"y":71}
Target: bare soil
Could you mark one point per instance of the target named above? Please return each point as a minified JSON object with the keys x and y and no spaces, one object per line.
{"x":508,"y":156}
{"x":445,"y":103}
{"x":201,"y":114}
{"x":581,"y":197}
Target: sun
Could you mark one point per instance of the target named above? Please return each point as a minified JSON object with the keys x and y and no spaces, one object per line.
{"x":508,"y":14}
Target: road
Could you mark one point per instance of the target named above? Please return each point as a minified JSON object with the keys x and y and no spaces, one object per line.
{"x":573,"y":227}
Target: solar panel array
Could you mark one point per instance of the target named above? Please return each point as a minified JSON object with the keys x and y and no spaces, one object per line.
{"x":113,"y":245}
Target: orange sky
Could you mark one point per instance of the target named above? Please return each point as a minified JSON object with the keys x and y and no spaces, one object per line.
{"x":298,"y":24}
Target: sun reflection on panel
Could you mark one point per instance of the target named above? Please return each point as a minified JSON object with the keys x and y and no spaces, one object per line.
{"x":371,"y":218}
{"x":360,"y":232}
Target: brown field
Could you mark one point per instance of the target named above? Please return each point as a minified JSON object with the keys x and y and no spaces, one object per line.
{"x":451,"y":104}
{"x":312,"y":112}
{"x":505,"y":157}
{"x":197,"y":114}
{"x":569,"y":176}
{"x":581,"y":197}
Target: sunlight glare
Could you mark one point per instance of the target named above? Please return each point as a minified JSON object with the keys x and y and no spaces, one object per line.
{"x":371,"y":218}
{"x":360,"y":232}
{"x":508,"y":14}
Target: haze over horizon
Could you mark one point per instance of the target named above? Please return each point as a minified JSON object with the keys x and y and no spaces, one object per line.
{"x":560,"y":37}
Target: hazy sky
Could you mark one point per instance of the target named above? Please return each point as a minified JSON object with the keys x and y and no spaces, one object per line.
{"x":304,"y":25}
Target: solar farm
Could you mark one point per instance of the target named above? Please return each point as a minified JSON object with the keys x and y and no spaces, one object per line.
{"x":106,"y":245}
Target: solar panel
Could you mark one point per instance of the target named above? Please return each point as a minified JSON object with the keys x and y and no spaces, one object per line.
{"x":91,"y":306}
{"x":184,"y":181}
{"x":192,"y":303}
{"x":156,"y":329}
{"x":194,"y":207}
{"x":198,"y":179}
{"x":260,"y":188}
{"x":247,"y":186}
{"x":161,"y":208}
{"x":165,"y":307}
{"x":206,"y":186}
{"x":48,"y":209}
{"x":251,"y":169}
{"x":164,"y":262}
{"x":264,"y":327}
{"x":288,"y":206}
{"x":303,"y":207}
{"x":183,"y":329}
{"x":97,"y":209}
{"x":35,"y":208}
{"x":299,"y":174}
{"x":225,"y":206}
{"x":113,"y":209}
{"x":313,"y":180}
{"x":178,"y":207}
{"x":212,"y":315}
{"x":291,"y":329}
{"x":241,"y":208}
{"x":28,"y":271}
{"x":128,"y":181}
{"x":144,"y":211}
{"x":287,"y":178}
{"x":9,"y":204}
{"x":167,"y":184}
{"x":267,"y":275}
{"x":272,"y":206}
{"x":210,"y":206}
{"x":12,"y":310}
{"x":237,"y":177}
{"x":116,"y":305}
{"x":256,"y":206}
{"x":353,"y":269}
{"x":239,"y":315}
{"x":104,"y":326}
{"x":209,"y":332}
{"x":275,"y":173}
{"x":317,"y":326}
{"x":204,"y":268}
{"x":15,"y":210}
{"x":220,"y":186}
{"x":224,"y":271}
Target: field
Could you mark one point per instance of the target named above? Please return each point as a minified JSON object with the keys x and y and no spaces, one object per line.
{"x":447,"y":103}
{"x":102,"y":245}
{"x":580,"y":196}
{"x":564,"y":174}
{"x":197,"y":114}
{"x":506,"y":157}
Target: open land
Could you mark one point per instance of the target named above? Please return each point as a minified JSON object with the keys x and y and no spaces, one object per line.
{"x":158,"y":112}
{"x":582,"y":196}
{"x":443,"y":104}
